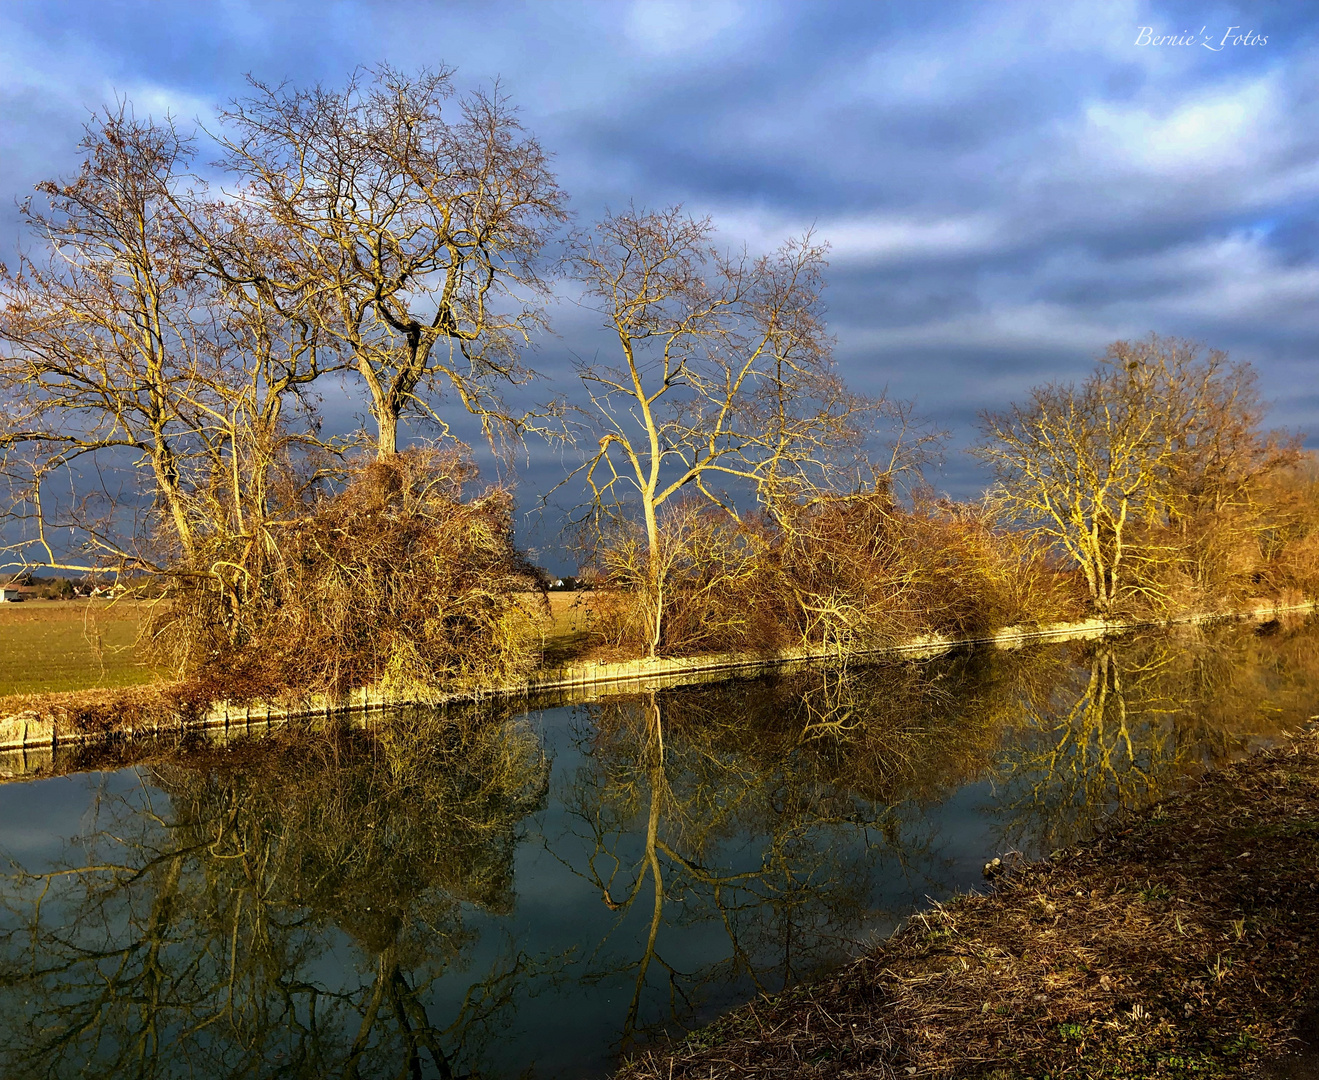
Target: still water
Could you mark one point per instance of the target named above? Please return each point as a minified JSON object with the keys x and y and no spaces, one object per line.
{"x":505,"y":894}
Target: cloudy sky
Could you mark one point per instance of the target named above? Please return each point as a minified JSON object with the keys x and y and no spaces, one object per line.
{"x":1007,"y":187}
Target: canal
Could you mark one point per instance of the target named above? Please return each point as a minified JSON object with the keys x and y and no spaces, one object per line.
{"x":500,"y":893}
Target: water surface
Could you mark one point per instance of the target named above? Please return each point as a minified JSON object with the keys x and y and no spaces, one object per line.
{"x":503,"y":894}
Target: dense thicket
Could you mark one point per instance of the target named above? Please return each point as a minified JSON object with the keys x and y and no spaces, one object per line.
{"x":397,"y":581}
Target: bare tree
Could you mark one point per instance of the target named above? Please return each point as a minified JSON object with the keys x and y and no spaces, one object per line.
{"x":148,"y":408}
{"x":409,"y":236}
{"x":726,"y":380}
{"x":161,"y":356}
{"x":96,"y":325}
{"x":1128,"y":471}
{"x":1212,"y":453}
{"x":1071,"y":466}
{"x":125,"y":380}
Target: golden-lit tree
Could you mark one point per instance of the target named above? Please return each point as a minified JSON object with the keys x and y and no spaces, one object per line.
{"x":1144,"y":474}
{"x":407,"y":223}
{"x":725,"y":381}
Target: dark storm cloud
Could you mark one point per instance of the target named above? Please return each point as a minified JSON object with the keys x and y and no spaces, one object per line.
{"x":1006,"y":187}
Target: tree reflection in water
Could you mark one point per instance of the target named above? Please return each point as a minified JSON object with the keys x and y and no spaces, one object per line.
{"x":193,"y":934}
{"x":316,"y":905}
{"x":770,"y":810}
{"x":780,"y":811}
{"x":1120,"y":728}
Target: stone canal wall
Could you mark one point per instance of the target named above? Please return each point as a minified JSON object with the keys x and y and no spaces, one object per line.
{"x":30,"y":737}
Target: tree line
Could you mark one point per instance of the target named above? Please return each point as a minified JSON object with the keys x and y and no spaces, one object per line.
{"x":168,"y":337}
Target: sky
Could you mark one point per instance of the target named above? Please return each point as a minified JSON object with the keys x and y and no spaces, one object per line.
{"x":1006,"y":187}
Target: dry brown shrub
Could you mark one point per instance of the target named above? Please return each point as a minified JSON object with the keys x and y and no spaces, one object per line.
{"x":396,"y":581}
{"x":970,"y":575}
{"x":869,"y":570}
{"x":720,"y":586}
{"x":1288,"y":535}
{"x":1263,"y":544}
{"x":845,"y":572}
{"x":843,"y":562}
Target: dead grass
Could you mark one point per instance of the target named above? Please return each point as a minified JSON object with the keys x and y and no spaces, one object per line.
{"x":1178,"y":945}
{"x":57,"y":645}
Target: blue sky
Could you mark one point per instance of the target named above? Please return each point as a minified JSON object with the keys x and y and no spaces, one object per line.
{"x":1007,"y":187}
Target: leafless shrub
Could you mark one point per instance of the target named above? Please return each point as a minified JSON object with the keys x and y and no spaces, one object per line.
{"x":397,"y":580}
{"x":841,"y":572}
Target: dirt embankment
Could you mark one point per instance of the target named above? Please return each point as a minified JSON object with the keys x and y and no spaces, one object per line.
{"x":1181,"y":944}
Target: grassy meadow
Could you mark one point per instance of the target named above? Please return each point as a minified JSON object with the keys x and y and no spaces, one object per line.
{"x":566,"y":636}
{"x":53,"y":645}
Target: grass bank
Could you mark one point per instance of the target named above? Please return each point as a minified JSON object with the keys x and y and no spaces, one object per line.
{"x":1178,"y":945}
{"x":49,"y":646}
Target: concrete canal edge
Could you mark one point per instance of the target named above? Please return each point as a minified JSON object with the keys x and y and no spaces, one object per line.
{"x":29,"y":739}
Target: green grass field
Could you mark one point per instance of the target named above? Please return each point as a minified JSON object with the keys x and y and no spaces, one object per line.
{"x":52,"y":645}
{"x":566,"y":636}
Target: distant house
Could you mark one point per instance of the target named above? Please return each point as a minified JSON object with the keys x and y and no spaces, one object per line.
{"x":9,"y":594}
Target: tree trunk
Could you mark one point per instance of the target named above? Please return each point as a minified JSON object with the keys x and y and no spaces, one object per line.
{"x":655,"y":569}
{"x":386,"y":432}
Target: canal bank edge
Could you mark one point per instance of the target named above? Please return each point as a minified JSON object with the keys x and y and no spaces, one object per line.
{"x":1179,"y":943}
{"x":34,"y":730}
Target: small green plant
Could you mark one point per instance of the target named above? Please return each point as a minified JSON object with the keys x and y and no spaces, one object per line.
{"x":1242,"y":1043}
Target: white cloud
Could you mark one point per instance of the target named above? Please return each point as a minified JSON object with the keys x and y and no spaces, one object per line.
{"x":1222,"y":128}
{"x":881,"y":239}
{"x":1215,"y":289}
{"x":673,"y":27}
{"x":865,"y":239}
{"x":1018,"y":324}
{"x":157,"y":101}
